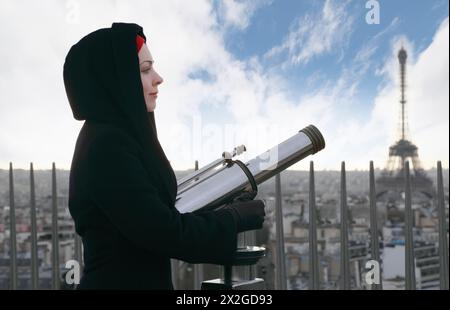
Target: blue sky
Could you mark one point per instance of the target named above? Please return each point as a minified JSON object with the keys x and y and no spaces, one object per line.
{"x":416,"y":20}
{"x":249,"y":72}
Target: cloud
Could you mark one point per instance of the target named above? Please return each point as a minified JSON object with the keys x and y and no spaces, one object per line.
{"x":316,"y":34}
{"x":240,"y":101}
{"x":237,"y":13}
{"x":428,"y":93}
{"x":36,"y":123}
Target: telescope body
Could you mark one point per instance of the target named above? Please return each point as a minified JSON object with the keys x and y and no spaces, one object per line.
{"x":221,"y":181}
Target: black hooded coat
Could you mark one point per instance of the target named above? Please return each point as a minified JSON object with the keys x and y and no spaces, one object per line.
{"x":122,"y":188}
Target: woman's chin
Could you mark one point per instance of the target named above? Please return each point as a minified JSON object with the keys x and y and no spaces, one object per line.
{"x":151,"y":107}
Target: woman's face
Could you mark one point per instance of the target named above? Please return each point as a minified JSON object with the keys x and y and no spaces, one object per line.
{"x":149,"y":77}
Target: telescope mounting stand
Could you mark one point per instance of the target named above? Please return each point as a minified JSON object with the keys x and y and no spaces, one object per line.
{"x":246,"y":256}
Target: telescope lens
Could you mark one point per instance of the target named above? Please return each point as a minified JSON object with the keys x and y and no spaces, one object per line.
{"x":315,"y":136}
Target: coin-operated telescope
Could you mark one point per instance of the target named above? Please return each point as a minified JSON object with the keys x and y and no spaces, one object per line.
{"x":220,"y":182}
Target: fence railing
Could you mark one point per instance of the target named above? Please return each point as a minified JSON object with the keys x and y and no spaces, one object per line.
{"x":280,"y":255}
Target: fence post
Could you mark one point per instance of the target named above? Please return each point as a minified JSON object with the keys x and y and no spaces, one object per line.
{"x":345,"y":257}
{"x":280,"y":255}
{"x":12,"y":232}
{"x":78,"y":251}
{"x":410,"y":276}
{"x":55,"y":237}
{"x":375,"y":243}
{"x":34,"y":247}
{"x":443,"y":247}
{"x":313,"y":256}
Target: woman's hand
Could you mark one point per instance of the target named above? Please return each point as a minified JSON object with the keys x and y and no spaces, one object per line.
{"x":248,"y":215}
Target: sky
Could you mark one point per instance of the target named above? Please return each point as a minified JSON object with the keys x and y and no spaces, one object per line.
{"x":240,"y":72}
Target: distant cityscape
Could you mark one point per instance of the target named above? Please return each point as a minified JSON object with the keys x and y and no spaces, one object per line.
{"x":295,"y":196}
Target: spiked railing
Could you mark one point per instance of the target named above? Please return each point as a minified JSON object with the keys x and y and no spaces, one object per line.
{"x":280,"y":254}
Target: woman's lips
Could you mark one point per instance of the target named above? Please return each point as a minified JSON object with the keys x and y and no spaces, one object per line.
{"x":154,"y":94}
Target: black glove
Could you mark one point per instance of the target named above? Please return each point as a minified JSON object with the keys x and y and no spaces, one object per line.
{"x":245,"y":196}
{"x":248,"y":215}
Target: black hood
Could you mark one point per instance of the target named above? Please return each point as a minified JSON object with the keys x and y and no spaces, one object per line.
{"x":103,"y":84}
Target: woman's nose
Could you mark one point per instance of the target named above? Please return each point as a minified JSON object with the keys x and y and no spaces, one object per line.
{"x":158,"y":80}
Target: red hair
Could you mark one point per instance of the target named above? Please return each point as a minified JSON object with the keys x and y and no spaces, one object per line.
{"x":139,"y":42}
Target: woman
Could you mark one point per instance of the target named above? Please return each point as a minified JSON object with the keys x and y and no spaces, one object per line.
{"x":122,"y":188}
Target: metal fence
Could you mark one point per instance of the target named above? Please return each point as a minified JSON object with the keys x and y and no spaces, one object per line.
{"x":280,"y":255}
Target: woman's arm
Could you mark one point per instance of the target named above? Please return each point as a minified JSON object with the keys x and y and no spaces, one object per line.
{"x":121,"y":188}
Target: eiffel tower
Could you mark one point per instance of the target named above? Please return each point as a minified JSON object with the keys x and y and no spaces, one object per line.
{"x":391,"y":182}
